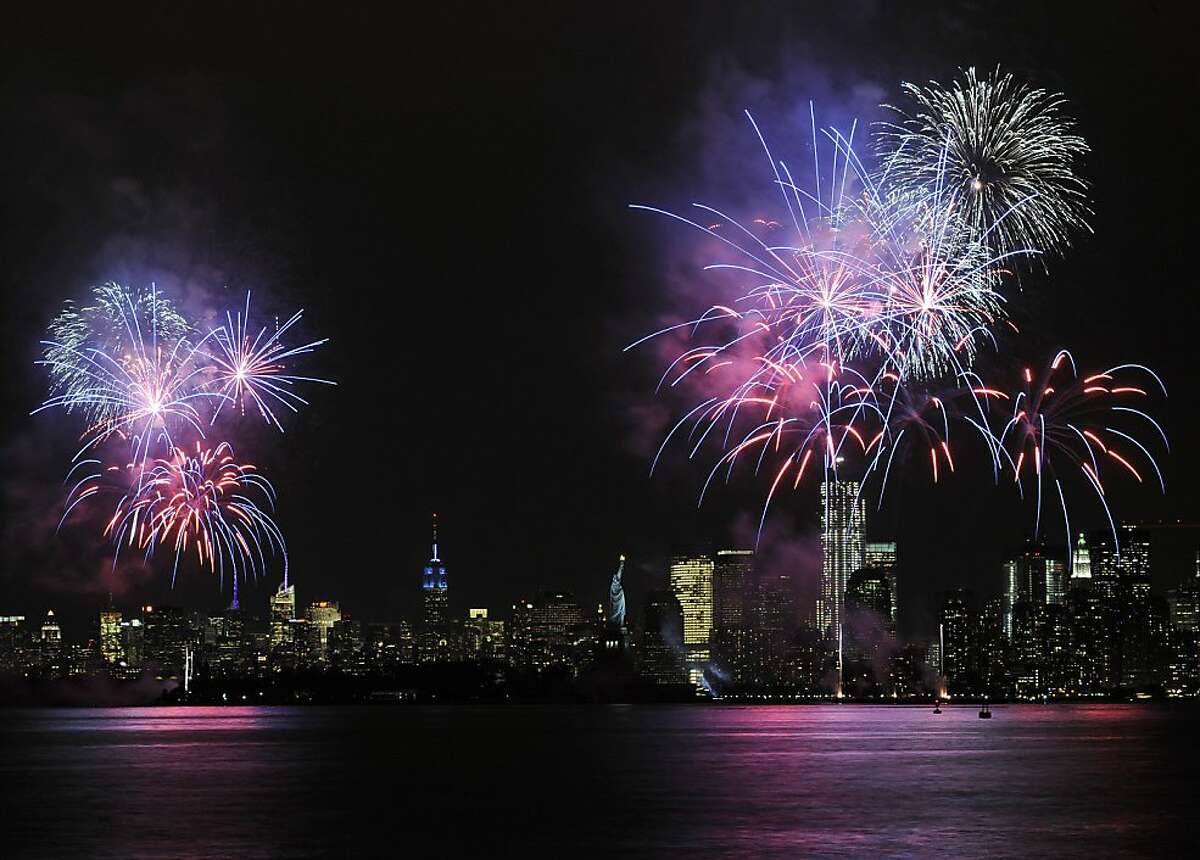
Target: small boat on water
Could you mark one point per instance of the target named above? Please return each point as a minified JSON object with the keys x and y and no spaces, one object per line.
{"x":985,"y":712}
{"x":937,"y":706}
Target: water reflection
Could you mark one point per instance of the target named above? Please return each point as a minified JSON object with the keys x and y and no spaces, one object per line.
{"x":785,"y":781}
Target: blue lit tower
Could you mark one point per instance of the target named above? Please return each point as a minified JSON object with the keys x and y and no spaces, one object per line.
{"x":435,"y":603}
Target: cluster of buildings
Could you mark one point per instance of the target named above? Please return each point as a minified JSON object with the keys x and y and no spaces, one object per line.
{"x":1074,"y":624}
{"x":1067,"y":624}
{"x":179,"y":644}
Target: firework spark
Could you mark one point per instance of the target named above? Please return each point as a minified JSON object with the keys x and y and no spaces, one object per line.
{"x":203,"y":502}
{"x":1060,"y":423}
{"x":127,"y":364}
{"x":1004,"y":150}
{"x":115,"y":323}
{"x":253,"y":367}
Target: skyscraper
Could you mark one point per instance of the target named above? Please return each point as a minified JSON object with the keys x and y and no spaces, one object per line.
{"x":321,"y":615}
{"x":434,"y":644}
{"x":347,"y":647}
{"x":843,"y":526}
{"x":558,"y":632}
{"x":692,"y":583}
{"x":548,"y":631}
{"x":483,"y":638}
{"x":733,"y":600}
{"x":226,"y":644}
{"x":133,"y":645}
{"x":110,"y":634}
{"x":661,"y":655}
{"x":51,"y":632}
{"x":773,"y":622}
{"x":518,"y":635}
{"x":1133,"y":564}
{"x":283,"y":610}
{"x":1081,"y":560}
{"x":1036,"y":576}
{"x":1184,"y":602}
{"x":1139,"y":621}
{"x":957,"y":627}
{"x":881,"y":555}
{"x":868,"y":628}
{"x":732,"y":587}
{"x":14,"y":641}
{"x":1091,"y":651}
{"x":1102,"y":564}
{"x":870,"y":590}
{"x":167,"y":636}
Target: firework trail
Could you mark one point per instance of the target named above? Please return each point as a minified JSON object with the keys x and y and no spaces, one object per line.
{"x":202,"y":501}
{"x":1060,"y":422}
{"x":919,"y":418}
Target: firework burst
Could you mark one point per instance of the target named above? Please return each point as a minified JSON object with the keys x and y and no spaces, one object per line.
{"x":252,"y":367}
{"x":116,"y":330}
{"x":113,"y":365}
{"x":127,"y":362}
{"x":1004,"y":150}
{"x":864,"y":308}
{"x":203,"y":502}
{"x":1061,"y":423}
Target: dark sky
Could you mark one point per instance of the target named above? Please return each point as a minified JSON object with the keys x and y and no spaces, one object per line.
{"x":444,"y":191}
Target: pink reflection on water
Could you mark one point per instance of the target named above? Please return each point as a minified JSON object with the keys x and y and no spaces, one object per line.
{"x":171,"y":719}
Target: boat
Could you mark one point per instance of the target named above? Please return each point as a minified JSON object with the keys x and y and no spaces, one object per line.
{"x":937,"y":705}
{"x":985,"y":712}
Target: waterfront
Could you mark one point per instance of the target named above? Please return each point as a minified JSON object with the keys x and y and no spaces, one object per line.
{"x":558,"y":780}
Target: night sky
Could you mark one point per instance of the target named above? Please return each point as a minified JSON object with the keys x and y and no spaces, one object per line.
{"x":445,"y":193}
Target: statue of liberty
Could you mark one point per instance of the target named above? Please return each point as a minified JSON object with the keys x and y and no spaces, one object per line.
{"x":616,"y":597}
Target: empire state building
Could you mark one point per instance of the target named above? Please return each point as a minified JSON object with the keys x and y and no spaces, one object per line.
{"x":434,"y":644}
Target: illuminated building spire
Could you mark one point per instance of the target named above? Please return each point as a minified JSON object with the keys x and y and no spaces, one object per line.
{"x":1081,"y":560}
{"x":434,"y":642}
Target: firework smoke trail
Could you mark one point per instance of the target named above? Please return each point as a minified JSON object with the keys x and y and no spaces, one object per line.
{"x":1009,"y":155}
{"x":254,"y":368}
{"x":865,"y":308}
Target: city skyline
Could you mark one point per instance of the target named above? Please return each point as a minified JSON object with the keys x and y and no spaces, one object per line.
{"x":722,"y":627}
{"x":702,"y":570}
{"x":228,"y":178}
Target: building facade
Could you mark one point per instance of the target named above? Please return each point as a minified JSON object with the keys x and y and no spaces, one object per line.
{"x":692,"y":583}
{"x":843,"y":530}
{"x":661,"y":658}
